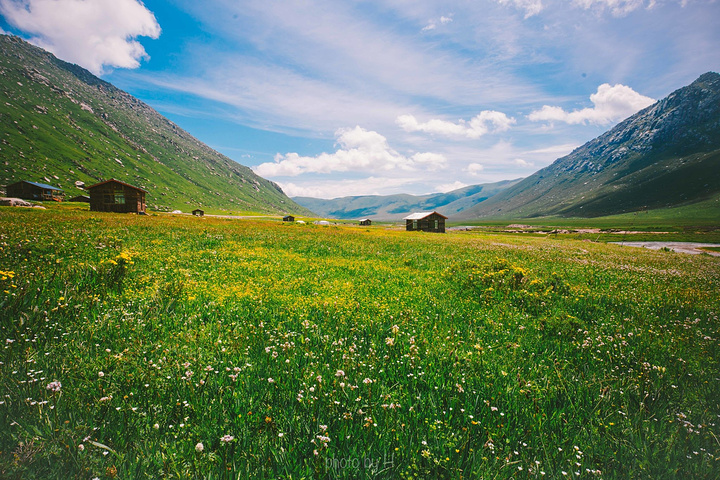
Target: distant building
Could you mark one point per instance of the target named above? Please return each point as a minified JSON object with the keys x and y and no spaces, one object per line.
{"x":34,"y":191}
{"x":198,"y":213}
{"x":80,"y":198}
{"x":116,"y":196}
{"x":365,"y":221}
{"x":288,"y":218}
{"x":425,"y":222}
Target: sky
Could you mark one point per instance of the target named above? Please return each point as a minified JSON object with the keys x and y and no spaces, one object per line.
{"x":331,"y":98}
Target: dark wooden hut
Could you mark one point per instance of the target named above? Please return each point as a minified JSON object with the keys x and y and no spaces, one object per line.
{"x":365,"y":221}
{"x":288,"y":218}
{"x":425,"y":222}
{"x":34,"y":191}
{"x":198,"y":213}
{"x":116,"y":196}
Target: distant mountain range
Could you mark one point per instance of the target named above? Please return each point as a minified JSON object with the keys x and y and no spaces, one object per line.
{"x":667,"y":155}
{"x":61,"y":125}
{"x":395,"y":207}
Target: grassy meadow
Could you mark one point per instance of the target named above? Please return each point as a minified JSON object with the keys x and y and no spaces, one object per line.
{"x":180,"y":347}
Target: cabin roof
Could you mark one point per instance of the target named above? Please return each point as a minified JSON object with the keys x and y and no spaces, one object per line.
{"x":421,"y":215}
{"x":41,"y":185}
{"x":117,"y":181}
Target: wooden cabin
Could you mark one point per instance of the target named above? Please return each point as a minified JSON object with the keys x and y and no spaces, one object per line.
{"x":288,"y":218}
{"x":425,"y":222}
{"x":198,"y":213}
{"x":116,"y":196}
{"x":365,"y":222}
{"x":34,"y":191}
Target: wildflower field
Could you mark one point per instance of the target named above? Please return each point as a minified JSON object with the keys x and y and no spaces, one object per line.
{"x":180,"y":347}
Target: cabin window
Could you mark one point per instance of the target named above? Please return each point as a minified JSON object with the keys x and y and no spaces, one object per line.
{"x":119,"y":197}
{"x":414,"y":224}
{"x":436,"y":224}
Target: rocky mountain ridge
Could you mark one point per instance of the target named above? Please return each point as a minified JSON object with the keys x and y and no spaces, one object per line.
{"x":665,"y":155}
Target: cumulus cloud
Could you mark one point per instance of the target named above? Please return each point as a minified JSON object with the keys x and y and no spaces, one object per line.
{"x":359,"y":150}
{"x":610,"y":104}
{"x":432,"y":24}
{"x":93,"y":33}
{"x":373,"y":185}
{"x":618,"y":8}
{"x":523,"y":163}
{"x":474,"y":169}
{"x":488,"y":121}
{"x":449,"y":187}
{"x":531,"y":7}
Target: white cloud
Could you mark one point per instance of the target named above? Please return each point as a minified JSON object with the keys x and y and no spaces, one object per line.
{"x":449,"y":187}
{"x":559,"y":150}
{"x":611,"y":104}
{"x":531,"y":7}
{"x":523,"y":163}
{"x":432,"y":24}
{"x":618,"y":8}
{"x":359,"y":150}
{"x":92,"y":34}
{"x":488,"y":121}
{"x":474,"y":169}
{"x":346,"y":187}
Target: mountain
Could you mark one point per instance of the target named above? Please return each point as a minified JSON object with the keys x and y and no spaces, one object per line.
{"x":395,"y":207}
{"x":61,"y":125}
{"x":666,"y":155}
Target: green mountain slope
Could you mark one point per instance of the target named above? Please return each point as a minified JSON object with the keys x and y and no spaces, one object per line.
{"x":61,"y":125}
{"x":667,"y":155}
{"x":394,"y":207}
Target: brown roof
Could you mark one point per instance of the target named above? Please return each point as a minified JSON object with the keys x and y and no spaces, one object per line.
{"x":116,"y":181}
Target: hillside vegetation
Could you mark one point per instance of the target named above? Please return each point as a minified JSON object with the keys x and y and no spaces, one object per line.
{"x":178,"y":347}
{"x":61,"y":125}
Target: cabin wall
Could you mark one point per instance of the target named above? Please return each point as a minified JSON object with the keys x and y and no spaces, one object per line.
{"x":433,"y":223}
{"x":27,"y":191}
{"x":114,"y":197}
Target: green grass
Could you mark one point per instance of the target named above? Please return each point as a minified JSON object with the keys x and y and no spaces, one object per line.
{"x":693,"y":223}
{"x":345,"y":352}
{"x":61,"y":125}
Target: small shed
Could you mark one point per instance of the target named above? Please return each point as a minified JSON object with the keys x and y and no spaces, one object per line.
{"x":288,"y":218}
{"x":34,"y":191}
{"x":116,"y":196}
{"x":80,"y":198}
{"x":425,"y":222}
{"x":365,"y":221}
{"x":198,"y":213}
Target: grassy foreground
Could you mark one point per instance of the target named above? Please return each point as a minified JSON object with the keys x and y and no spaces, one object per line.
{"x":174,"y":347}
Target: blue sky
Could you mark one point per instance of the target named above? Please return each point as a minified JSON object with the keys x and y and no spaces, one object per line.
{"x":332,"y":98}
